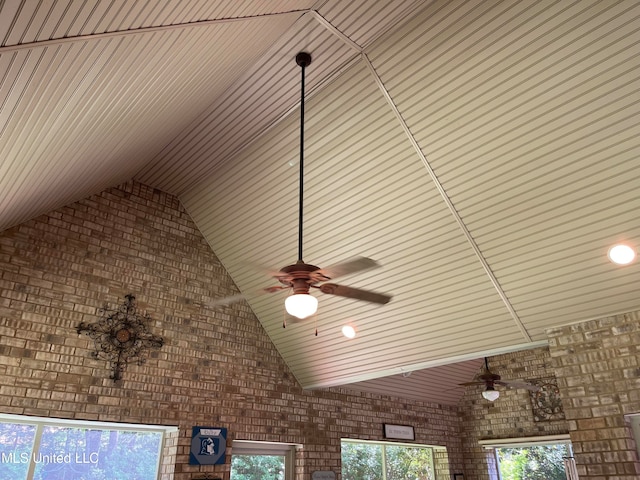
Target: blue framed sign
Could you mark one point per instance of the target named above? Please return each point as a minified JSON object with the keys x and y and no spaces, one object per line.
{"x":208,"y":446}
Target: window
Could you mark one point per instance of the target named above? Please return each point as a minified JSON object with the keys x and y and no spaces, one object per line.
{"x":262,"y":460}
{"x":535,"y":462}
{"x":363,"y":460}
{"x":634,"y":420}
{"x":535,"y":458}
{"x":33,"y":448}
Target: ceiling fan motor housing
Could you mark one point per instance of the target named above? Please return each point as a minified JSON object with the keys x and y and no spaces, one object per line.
{"x":298,"y":276}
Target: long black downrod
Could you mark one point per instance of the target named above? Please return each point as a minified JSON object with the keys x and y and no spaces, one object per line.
{"x":304,"y":60}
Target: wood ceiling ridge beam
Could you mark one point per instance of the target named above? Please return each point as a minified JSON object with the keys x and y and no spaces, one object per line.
{"x":432,"y":174}
{"x":140,"y":30}
{"x":332,"y":29}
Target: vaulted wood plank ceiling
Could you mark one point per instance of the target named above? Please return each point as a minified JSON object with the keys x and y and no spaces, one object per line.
{"x":485,"y":153}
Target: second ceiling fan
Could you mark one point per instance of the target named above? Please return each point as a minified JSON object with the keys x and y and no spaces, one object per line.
{"x":490,"y":380}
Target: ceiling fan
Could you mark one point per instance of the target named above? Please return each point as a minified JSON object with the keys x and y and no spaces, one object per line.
{"x":300,"y":277}
{"x":490,"y":380}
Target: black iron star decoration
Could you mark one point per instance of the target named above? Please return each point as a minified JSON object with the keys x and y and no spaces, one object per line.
{"x":121,"y":336}
{"x":546,"y":401}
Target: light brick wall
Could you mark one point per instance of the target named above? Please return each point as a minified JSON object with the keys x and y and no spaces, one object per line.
{"x":216,"y":368}
{"x":511,"y":416}
{"x":598,"y":370}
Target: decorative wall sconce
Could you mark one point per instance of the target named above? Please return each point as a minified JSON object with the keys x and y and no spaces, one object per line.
{"x":121,"y":336}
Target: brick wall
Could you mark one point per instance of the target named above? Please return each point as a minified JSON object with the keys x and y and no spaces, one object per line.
{"x":511,"y":416}
{"x":598,"y":369}
{"x":217,"y":368}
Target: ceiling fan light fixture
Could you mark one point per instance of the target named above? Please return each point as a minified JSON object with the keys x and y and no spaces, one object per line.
{"x":301,"y":305}
{"x":491,"y":394}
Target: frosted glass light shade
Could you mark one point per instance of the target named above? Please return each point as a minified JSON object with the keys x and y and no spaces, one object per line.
{"x":491,"y":394}
{"x":301,"y":305}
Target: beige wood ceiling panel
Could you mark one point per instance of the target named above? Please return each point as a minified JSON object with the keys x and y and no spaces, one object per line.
{"x":78,"y":117}
{"x":364,"y":22}
{"x":367,"y":194}
{"x":437,"y":385}
{"x":31,"y":21}
{"x":527,"y":111}
{"x":524,"y":112}
{"x":257,"y":100}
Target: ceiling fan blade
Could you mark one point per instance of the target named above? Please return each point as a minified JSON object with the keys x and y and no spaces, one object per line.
{"x":273,"y":289}
{"x":356,"y":264}
{"x":466,"y":384}
{"x":518,"y":384}
{"x":219,"y":302}
{"x":356,"y":293}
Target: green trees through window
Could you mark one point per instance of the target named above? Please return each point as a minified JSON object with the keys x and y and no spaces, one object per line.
{"x":386,"y":461}
{"x":361,"y":461}
{"x":255,"y":460}
{"x":538,"y":462}
{"x":257,"y":467}
{"x":16,"y":443}
{"x":43,"y":449}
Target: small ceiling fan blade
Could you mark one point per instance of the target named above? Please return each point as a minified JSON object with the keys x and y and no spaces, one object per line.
{"x":273,"y":289}
{"x":356,"y":264}
{"x":518,"y":384}
{"x":219,"y":302}
{"x":356,"y":293}
{"x":222,"y":301}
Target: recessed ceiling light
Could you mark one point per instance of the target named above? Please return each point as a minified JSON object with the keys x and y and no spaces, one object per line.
{"x":621,"y":254}
{"x":348,"y":331}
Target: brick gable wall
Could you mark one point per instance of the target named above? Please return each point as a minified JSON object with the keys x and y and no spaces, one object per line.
{"x":217,"y":368}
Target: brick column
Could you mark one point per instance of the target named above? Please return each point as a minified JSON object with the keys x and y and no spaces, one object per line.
{"x":597,"y":365}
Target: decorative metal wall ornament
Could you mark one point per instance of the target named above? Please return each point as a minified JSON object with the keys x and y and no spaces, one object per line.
{"x":121,"y":336}
{"x":546,"y":402}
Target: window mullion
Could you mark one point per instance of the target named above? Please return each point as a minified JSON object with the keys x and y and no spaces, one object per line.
{"x":497,"y":457}
{"x":384,"y":462}
{"x":289,"y":462}
{"x":35,"y":450}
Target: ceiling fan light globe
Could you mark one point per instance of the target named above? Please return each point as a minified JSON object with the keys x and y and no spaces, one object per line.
{"x":301,"y":305}
{"x":491,"y":394}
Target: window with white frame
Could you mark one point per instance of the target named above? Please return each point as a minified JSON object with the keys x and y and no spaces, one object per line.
{"x":367,"y":460}
{"x":634,"y":421}
{"x":533,"y":458}
{"x":252,"y":460}
{"x":36,"y":448}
